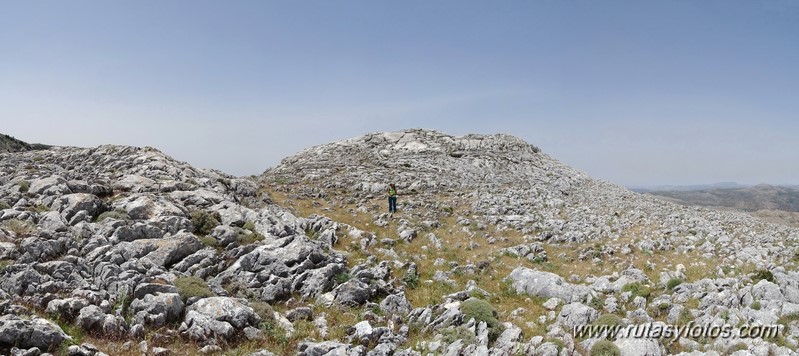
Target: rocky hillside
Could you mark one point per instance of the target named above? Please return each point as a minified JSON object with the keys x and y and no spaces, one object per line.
{"x":497,"y":249}
{"x":11,"y":144}
{"x":548,"y":247}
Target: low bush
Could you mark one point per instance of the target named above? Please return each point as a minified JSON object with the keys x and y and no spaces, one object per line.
{"x":189,"y":287}
{"x":454,"y":333}
{"x":264,"y":310}
{"x":481,"y":310}
{"x":673,"y":283}
{"x":605,"y":348}
{"x":204,"y":222}
{"x":637,"y":289}
{"x":208,"y":241}
{"x":761,"y":275}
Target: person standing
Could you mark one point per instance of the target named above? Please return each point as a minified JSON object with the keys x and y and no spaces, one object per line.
{"x":392,"y":198}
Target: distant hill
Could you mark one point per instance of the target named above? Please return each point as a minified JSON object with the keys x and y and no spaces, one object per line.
{"x":687,"y":188}
{"x":759,"y":197}
{"x":11,"y":144}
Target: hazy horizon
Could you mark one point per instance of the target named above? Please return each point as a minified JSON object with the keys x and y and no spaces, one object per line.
{"x":639,"y":94}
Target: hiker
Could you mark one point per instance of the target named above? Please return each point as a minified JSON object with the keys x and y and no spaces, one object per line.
{"x":392,"y":198}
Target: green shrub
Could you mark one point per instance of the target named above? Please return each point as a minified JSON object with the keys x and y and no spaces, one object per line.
{"x":481,"y":310}
{"x":204,"y":222}
{"x":673,"y":283}
{"x":637,"y":289}
{"x":605,"y":348}
{"x":607,"y":319}
{"x":763,"y":274}
{"x":113,"y":214}
{"x":756,"y":305}
{"x":189,"y":287}
{"x":4,"y":205}
{"x":452,"y":334}
{"x":24,"y":186}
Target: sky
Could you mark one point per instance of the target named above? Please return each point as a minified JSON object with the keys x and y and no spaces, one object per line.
{"x":634,"y":92}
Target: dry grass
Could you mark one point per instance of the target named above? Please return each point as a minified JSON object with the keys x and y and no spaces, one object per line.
{"x":468,"y":245}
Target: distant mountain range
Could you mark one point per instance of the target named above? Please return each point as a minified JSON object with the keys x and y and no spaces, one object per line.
{"x":750,"y":199}
{"x":686,"y":188}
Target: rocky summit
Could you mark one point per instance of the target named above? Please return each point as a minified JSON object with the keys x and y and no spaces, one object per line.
{"x":496,"y":249}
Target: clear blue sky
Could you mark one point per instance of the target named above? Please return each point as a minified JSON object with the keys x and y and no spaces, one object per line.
{"x":636,"y":92}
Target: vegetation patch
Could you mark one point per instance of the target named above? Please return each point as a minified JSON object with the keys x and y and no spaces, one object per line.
{"x":21,"y":228}
{"x":264,"y":310}
{"x":208,"y":241}
{"x":637,"y":289}
{"x":452,"y":334}
{"x":189,"y":287}
{"x":673,"y":283}
{"x":342,"y":277}
{"x":114,"y":214}
{"x":607,"y":319}
{"x":481,"y":310}
{"x":605,"y":348}
{"x":4,"y":264}
{"x":24,"y":186}
{"x":204,"y":222}
{"x":761,"y":275}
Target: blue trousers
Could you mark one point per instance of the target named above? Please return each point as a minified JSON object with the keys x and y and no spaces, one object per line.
{"x":392,"y":204}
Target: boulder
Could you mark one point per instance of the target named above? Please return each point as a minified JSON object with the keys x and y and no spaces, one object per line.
{"x":157,"y":310}
{"x":219,"y":318}
{"x":353,"y":293}
{"x":226,"y":309}
{"x":66,"y":309}
{"x":53,"y":185}
{"x":547,"y":285}
{"x":395,"y":304}
{"x":574,"y":314}
{"x":30,"y":332}
{"x":71,"y":204}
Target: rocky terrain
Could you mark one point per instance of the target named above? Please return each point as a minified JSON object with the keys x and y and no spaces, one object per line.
{"x":497,"y":249}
